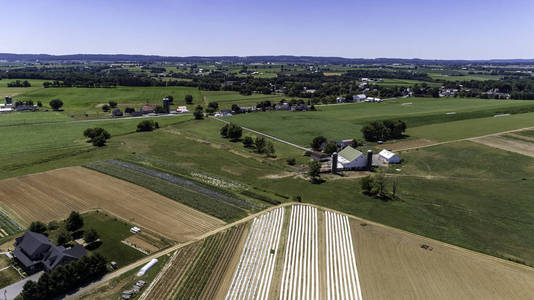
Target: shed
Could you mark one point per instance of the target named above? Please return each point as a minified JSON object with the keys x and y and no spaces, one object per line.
{"x":389,"y":157}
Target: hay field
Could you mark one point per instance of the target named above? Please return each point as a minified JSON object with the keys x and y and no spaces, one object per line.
{"x":392,"y":264}
{"x":53,"y":195}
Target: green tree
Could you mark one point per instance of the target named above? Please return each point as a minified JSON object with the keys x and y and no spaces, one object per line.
{"x":74,"y":221}
{"x":56,"y":104}
{"x":291,"y":161}
{"x":90,"y":236}
{"x":30,"y":291}
{"x":330,"y":148}
{"x":213,"y":105}
{"x":234,"y":132}
{"x":366,"y":184}
{"x":188,"y":99}
{"x":63,"y":237}
{"x":105,"y":107}
{"x":37,"y":226}
{"x":314,"y":170}
{"x":98,"y":136}
{"x":269,"y":149}
{"x":112,"y":104}
{"x":260,"y":144}
{"x":318,"y":142}
{"x":145,"y":125}
{"x":248,"y":142}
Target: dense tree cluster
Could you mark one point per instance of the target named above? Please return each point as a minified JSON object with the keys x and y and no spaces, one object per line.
{"x":231,"y":131}
{"x":65,"y":278}
{"x":146,"y":125}
{"x":384,"y":130}
{"x":19,"y":83}
{"x":97,"y":136}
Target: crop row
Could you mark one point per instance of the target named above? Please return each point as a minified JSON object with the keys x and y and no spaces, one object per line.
{"x":8,"y":225}
{"x":212,"y":206}
{"x":182,"y":182}
{"x":199,"y":273}
{"x":300,"y":276}
{"x":341,"y":272}
{"x":252,"y":278}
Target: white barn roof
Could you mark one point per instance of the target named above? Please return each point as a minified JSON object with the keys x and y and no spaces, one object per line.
{"x":386,"y":154}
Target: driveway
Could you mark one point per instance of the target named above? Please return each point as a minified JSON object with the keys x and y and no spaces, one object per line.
{"x":12,"y":291}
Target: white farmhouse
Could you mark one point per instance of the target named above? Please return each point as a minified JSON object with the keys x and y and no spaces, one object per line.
{"x":350,"y":158}
{"x":389,"y":157}
{"x":359,"y":98}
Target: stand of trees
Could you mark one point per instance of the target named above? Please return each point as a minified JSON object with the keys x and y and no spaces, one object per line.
{"x":18,"y":83}
{"x":97,"y":136}
{"x":65,"y":278}
{"x":384,"y":130}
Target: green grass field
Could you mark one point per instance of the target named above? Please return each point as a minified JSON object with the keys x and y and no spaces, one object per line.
{"x":387,"y":82}
{"x":112,"y":231}
{"x":80,"y":101}
{"x":225,"y":99}
{"x":345,"y":121}
{"x":7,"y":226}
{"x":36,"y":84}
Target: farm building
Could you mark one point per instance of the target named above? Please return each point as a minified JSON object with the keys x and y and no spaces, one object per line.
{"x":350,"y":159}
{"x":182,"y":109}
{"x":359,"y":98}
{"x":35,"y":252}
{"x":147,"y":109}
{"x":320,"y":156}
{"x":389,"y":157}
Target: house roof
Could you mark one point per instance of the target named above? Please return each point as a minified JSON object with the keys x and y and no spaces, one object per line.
{"x":349,"y":153}
{"x":386,"y":154}
{"x":32,"y":242}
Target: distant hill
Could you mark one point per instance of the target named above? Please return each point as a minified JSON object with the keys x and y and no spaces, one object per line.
{"x":244,"y":59}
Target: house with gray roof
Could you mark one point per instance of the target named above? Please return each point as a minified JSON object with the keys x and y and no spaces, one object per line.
{"x":35,"y":252}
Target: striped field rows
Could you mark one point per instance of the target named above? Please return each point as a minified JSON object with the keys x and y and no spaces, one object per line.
{"x":300,"y":276}
{"x":253,"y":276}
{"x":341,"y":272}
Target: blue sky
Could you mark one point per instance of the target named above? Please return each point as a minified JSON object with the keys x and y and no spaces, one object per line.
{"x":452,"y":29}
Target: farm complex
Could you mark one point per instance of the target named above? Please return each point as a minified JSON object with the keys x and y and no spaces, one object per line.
{"x":265,"y":178}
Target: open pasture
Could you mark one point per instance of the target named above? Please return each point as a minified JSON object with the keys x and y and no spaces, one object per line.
{"x":36,"y":84}
{"x":225,"y":99}
{"x":345,"y":121}
{"x":511,"y":144}
{"x":53,"y":195}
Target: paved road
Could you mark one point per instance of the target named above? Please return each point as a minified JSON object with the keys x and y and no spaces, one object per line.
{"x":12,"y":291}
{"x":266,"y":135}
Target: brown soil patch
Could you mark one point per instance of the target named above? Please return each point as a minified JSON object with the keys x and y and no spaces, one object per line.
{"x":53,"y":195}
{"x":278,"y":176}
{"x":525,"y":148}
{"x":393,"y":265}
{"x":407,"y":144}
{"x":138,"y":242}
{"x":523,"y":137}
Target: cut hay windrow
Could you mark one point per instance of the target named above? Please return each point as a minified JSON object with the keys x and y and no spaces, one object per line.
{"x":342,"y":273}
{"x":300,"y":276}
{"x":253,"y":275}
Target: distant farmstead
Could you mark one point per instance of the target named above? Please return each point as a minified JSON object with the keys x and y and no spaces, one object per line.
{"x":351,"y":159}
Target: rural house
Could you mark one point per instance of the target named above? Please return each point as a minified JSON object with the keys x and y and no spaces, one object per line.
{"x":389,"y":157}
{"x":320,"y":156}
{"x":350,"y":159}
{"x":35,"y":253}
{"x":148,"y":109}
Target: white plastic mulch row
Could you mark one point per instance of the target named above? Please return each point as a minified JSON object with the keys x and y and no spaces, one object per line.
{"x":342,"y":274}
{"x":300,"y":277}
{"x":252,"y":278}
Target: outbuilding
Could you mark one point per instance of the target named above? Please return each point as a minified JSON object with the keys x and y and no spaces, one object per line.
{"x":389,"y":157}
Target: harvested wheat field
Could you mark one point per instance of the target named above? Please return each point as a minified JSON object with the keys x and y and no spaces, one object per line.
{"x":513,"y":145}
{"x":393,"y":264}
{"x":53,"y":195}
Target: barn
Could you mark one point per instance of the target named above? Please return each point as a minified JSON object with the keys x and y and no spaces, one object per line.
{"x":389,"y":157}
{"x":350,"y":159}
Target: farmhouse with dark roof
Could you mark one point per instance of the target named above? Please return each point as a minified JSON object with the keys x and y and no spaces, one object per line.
{"x":35,"y":253}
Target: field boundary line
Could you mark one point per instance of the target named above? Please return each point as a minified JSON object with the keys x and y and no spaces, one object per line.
{"x":265,"y":135}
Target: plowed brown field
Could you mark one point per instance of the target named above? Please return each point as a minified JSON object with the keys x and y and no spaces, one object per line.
{"x":53,"y":195}
{"x":392,"y":265}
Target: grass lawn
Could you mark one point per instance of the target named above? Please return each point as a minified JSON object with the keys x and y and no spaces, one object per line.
{"x":345,"y":121}
{"x":112,"y":231}
{"x":9,"y":276}
{"x":527,"y":133}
